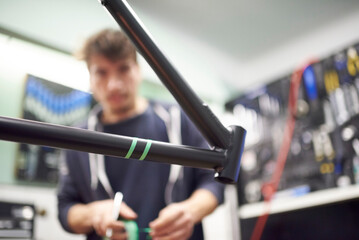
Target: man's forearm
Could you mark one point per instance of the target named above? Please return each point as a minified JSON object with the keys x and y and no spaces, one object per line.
{"x":201,"y":203}
{"x":80,"y":218}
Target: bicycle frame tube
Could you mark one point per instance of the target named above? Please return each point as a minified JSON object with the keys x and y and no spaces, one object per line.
{"x":32,"y":132}
{"x":200,"y":114}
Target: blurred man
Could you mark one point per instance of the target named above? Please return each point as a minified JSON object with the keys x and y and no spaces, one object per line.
{"x":88,"y":181}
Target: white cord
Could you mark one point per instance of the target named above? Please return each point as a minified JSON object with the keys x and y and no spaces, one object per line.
{"x":97,"y":161}
{"x":172,"y":120}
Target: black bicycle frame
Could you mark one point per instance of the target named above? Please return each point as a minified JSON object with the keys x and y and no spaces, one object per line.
{"x":227,"y":143}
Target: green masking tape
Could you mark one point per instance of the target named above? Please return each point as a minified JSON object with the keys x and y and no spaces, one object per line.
{"x":130,"y":151}
{"x":147,"y":148}
{"x":145,"y":230}
{"x":131,"y":229}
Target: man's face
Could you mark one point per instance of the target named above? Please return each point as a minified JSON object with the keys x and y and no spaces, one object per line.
{"x":114,"y":84}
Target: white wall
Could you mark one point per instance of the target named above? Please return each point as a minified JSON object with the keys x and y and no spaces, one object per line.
{"x":281,"y":61}
{"x":212,"y":73}
{"x":196,"y":61}
{"x":19,"y":58}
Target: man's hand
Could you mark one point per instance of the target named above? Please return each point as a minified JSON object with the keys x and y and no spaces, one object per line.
{"x":174,"y":222}
{"x":177,"y":220}
{"x":102,"y":219}
{"x":83,"y":218}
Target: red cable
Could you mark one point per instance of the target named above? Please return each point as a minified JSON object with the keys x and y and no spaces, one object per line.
{"x":271,"y":187}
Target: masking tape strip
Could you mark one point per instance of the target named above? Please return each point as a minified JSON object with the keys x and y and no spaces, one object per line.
{"x":130,"y":151}
{"x":146,"y":230}
{"x":147,"y":148}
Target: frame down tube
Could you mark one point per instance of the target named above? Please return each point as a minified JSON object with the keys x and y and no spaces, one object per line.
{"x":32,"y":132}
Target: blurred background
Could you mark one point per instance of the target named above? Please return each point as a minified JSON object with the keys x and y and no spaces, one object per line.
{"x":239,"y":57}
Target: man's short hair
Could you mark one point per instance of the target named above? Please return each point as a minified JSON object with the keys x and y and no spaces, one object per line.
{"x":112,"y":44}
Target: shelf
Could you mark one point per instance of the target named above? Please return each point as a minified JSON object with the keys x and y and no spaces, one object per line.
{"x":312,"y":199}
